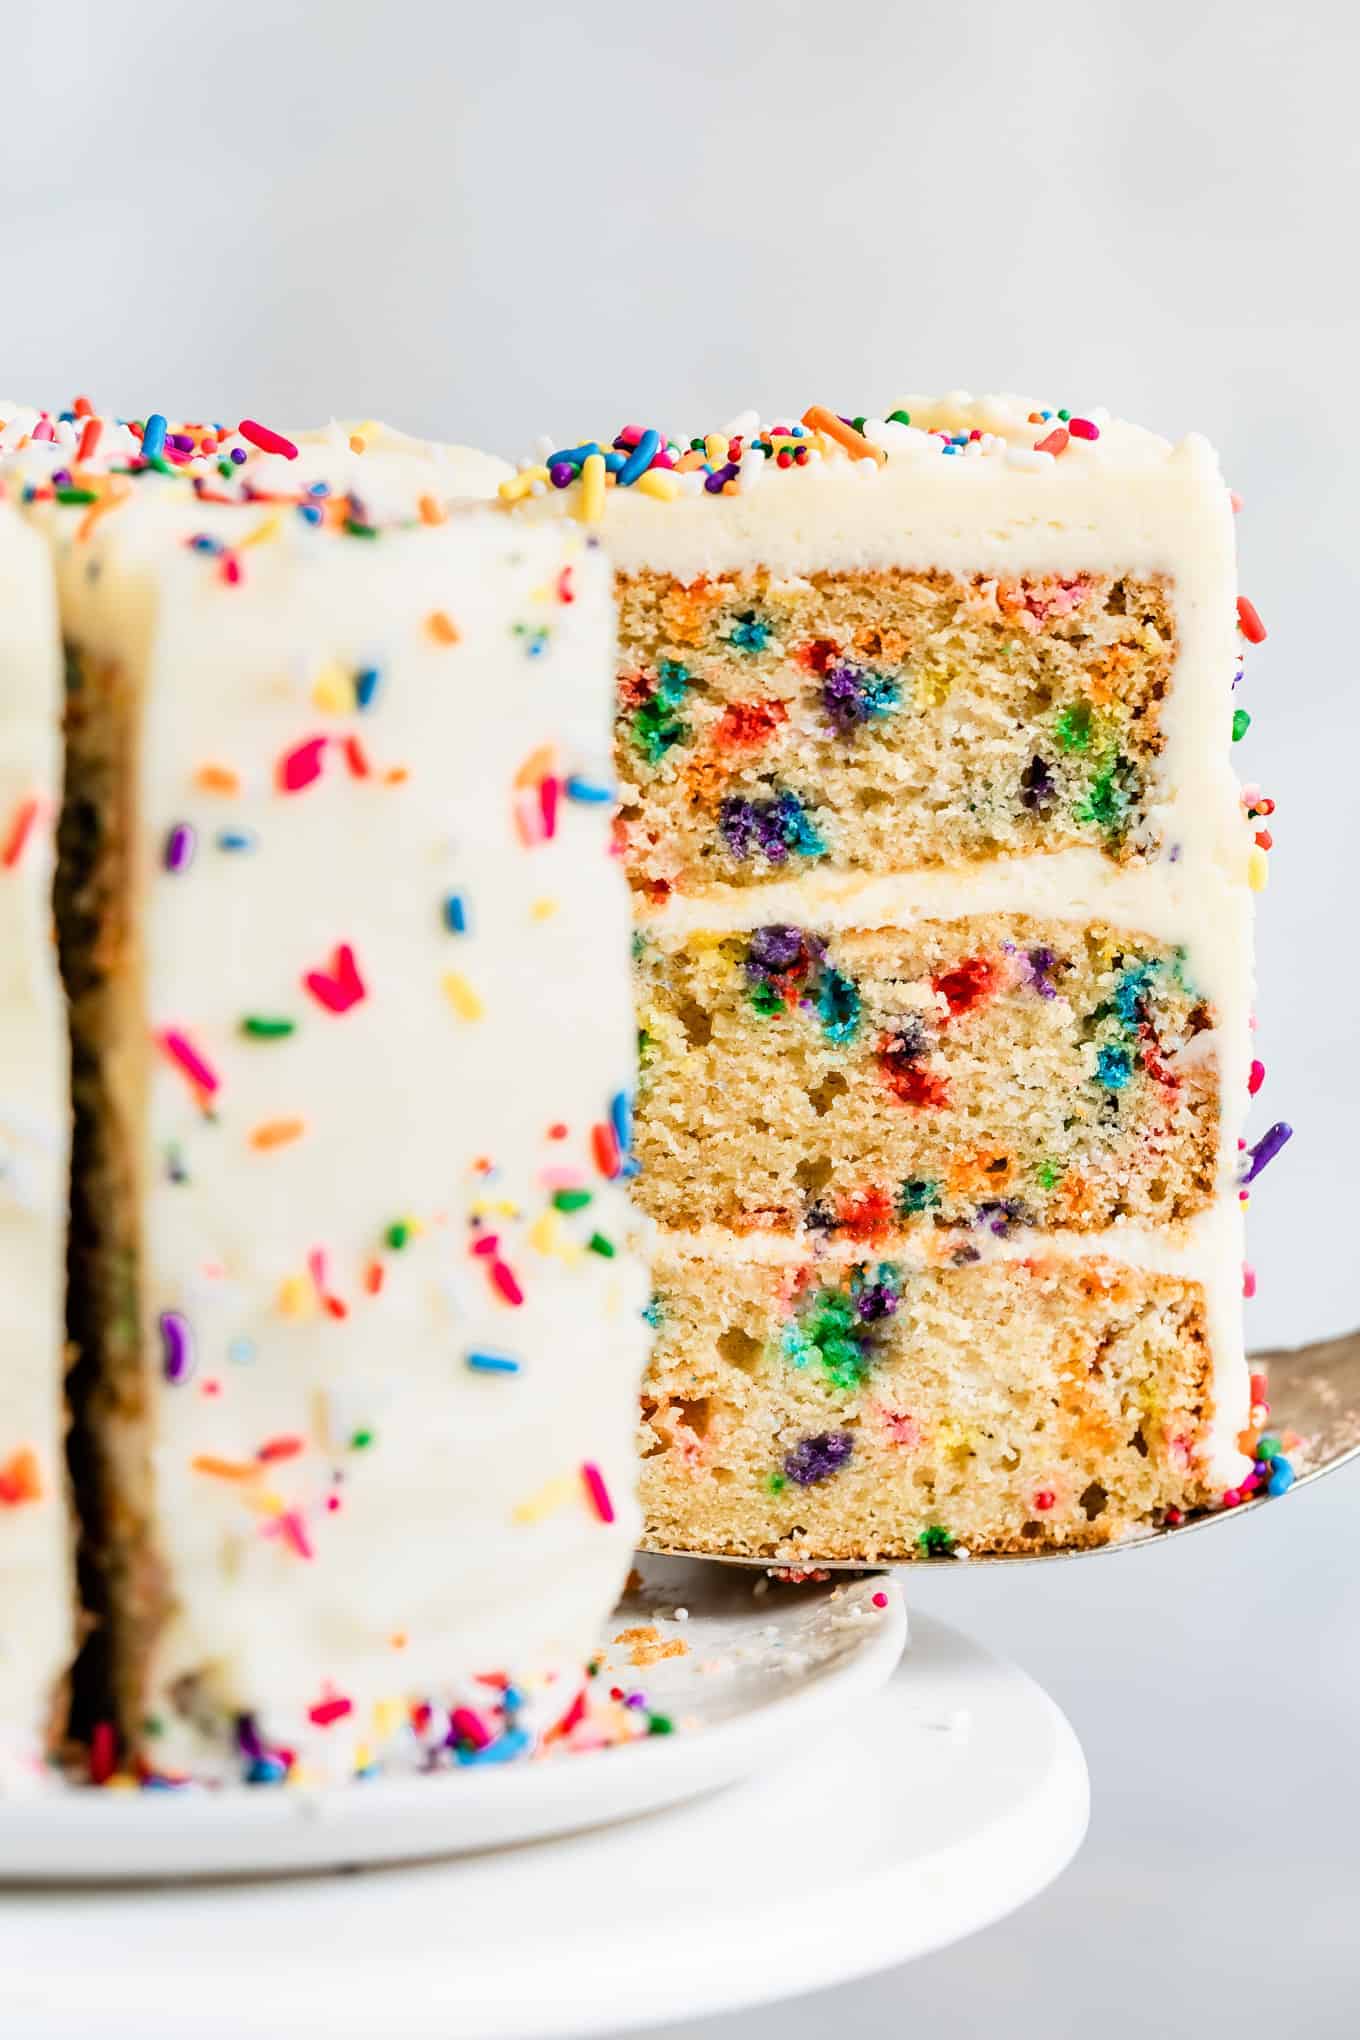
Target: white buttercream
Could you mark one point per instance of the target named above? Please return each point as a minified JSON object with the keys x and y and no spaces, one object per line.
{"x":36,"y":1586}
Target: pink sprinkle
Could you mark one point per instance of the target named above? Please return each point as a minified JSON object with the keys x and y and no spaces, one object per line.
{"x":1082,"y":428}
{"x":300,"y":766}
{"x":341,"y":986}
{"x":1248,"y":1281}
{"x":316,"y":1267}
{"x":1235,"y":500}
{"x":630,"y":435}
{"x":598,"y":1492}
{"x":182,"y":1051}
{"x":504,"y":1278}
{"x":291,"y":1528}
{"x":43,"y":429}
{"x":547,"y":804}
{"x":25,"y":815}
{"x":327,"y":1711}
{"x":1249,"y":622}
{"x":562,"y":1179}
{"x":267,"y":441}
{"x":468,"y":1726}
{"x":230,"y":568}
{"x":879,"y":1600}
{"x":1256,"y":1078}
{"x":488,"y":1244}
{"x":1054,"y":443}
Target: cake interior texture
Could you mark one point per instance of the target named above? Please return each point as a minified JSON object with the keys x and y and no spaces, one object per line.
{"x":866,"y":721}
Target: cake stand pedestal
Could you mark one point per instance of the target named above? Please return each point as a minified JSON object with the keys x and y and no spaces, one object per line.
{"x":944,"y":1802}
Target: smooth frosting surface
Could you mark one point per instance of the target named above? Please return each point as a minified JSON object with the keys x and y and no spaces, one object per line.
{"x":392,"y":1331}
{"x":37,"y":1616}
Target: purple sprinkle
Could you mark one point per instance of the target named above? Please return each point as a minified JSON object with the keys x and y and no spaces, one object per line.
{"x":561,"y":474}
{"x":714,"y":483}
{"x":1266,"y":1149}
{"x":1041,"y":962}
{"x":1036,"y":784}
{"x":238,"y":454}
{"x":248,"y":1737}
{"x":817,"y":1458}
{"x":62,"y":478}
{"x":775,"y":948}
{"x":178,"y":1346}
{"x":179,"y":847}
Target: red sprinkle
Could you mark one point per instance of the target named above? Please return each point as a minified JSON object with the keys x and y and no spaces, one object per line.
{"x":341,"y":986}
{"x":103,"y":1752}
{"x":604,"y":1146}
{"x":356,"y":758}
{"x":280,"y":1448}
{"x":879,"y":1600}
{"x":1045,"y":1498}
{"x":1249,"y":622}
{"x":300,"y":766}
{"x":598,"y":1492}
{"x":547,"y":805}
{"x":1256,"y":1078}
{"x":1082,"y":428}
{"x":565,"y":591}
{"x":91,"y":433}
{"x":749,"y":722}
{"x":1055,"y":441}
{"x":373,"y":1277}
{"x":267,"y":441}
{"x":327,"y":1711}
{"x":25,"y":815}
{"x":1248,"y":1281}
{"x":468,"y":1726}
{"x":504,"y":1278}
{"x":182,"y":1051}
{"x":963,"y":987}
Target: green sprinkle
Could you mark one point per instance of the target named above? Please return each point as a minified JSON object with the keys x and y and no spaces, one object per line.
{"x":1241,"y":724}
{"x":660,"y":1724}
{"x":267,"y":1027}
{"x":153,"y":1725}
{"x":598,"y":1244}
{"x":226,"y":469}
{"x":917,"y":1194}
{"x":360,"y":1440}
{"x":767,"y":998}
{"x":899,"y":417}
{"x":397,"y":1234}
{"x":859,"y":423}
{"x":1073,"y":726}
{"x":935,"y":1542}
{"x":776,"y":1483}
{"x":76,"y":496}
{"x":357,"y":530}
{"x":1049,"y":1174}
{"x":571,"y":1200}
{"x":1064,"y":415}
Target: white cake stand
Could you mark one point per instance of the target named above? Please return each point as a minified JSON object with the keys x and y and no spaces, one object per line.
{"x":942,"y":1803}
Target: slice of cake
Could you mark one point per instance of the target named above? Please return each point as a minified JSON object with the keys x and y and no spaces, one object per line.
{"x":346,"y":953}
{"x":943,"y":881}
{"x":36,"y":1585}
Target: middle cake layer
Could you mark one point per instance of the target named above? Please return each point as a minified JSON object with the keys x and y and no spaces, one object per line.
{"x":993,"y":1071}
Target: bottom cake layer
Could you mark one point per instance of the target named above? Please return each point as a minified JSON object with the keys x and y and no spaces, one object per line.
{"x":807,"y":1410}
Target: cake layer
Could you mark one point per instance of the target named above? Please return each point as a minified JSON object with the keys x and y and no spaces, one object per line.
{"x":875,"y":1410}
{"x":883,"y":720}
{"x":353,"y":1048}
{"x":994,"y":1072}
{"x":37,"y":1608}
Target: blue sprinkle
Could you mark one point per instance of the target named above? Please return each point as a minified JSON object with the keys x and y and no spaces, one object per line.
{"x":310,"y":513}
{"x":949,"y":449}
{"x":640,"y":459}
{"x":266,"y":1771}
{"x":235,"y":839}
{"x":575,"y":454}
{"x":1114,"y":1068}
{"x":318,"y":488}
{"x":366,"y":685}
{"x":455,"y":914}
{"x":586,"y":790}
{"x":613,"y":462}
{"x":203,"y":542}
{"x":241,"y":1351}
{"x":1281,"y":1476}
{"x":153,"y":438}
{"x":621,"y":1119}
{"x":512,"y":1744}
{"x":492,"y":1363}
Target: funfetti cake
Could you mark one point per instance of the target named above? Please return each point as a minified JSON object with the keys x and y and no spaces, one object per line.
{"x":944,"y":890}
{"x":346,"y":952}
{"x":37,"y":1625}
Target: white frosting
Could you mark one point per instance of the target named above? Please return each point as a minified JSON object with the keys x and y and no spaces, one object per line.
{"x":1125,"y":502}
{"x":466,"y":1539}
{"x":36,"y":1585}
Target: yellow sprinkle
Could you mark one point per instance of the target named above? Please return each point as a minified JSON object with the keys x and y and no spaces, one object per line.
{"x":386,"y":1718}
{"x":544,"y":909}
{"x":659,"y":482}
{"x":519,"y":486}
{"x":1258,"y":869}
{"x":297,"y":1295}
{"x":121,"y":1781}
{"x":263,"y":532}
{"x":553,"y":1495}
{"x":544,"y":1235}
{"x":590,"y":508}
{"x":442,"y":627}
{"x":466,"y":1003}
{"x":715,"y":446}
{"x":333,"y":690}
{"x":363,"y":1756}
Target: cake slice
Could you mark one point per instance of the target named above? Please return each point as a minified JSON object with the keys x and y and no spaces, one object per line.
{"x":347,"y":961}
{"x":37,"y":1604}
{"x":943,"y":882}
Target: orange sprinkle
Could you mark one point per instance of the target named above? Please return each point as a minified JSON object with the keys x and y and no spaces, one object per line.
{"x":357,"y":442}
{"x":25,"y":815}
{"x":274,"y":1133}
{"x":336,"y":1307}
{"x":432,"y":511}
{"x":21,"y":1479}
{"x":818,"y":419}
{"x":223,"y":1469}
{"x":396,"y":775}
{"x":217,"y":779}
{"x":442,"y":627}
{"x":373,"y":1277}
{"x":113,"y":495}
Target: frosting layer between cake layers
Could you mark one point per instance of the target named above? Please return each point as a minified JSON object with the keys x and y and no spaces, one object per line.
{"x":1026,"y":529}
{"x":36,"y":1583}
{"x":354,"y":1053}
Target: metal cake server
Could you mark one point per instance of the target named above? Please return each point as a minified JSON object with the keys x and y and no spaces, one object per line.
{"x":1314,"y":1390}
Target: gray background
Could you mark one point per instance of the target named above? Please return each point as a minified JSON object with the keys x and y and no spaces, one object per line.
{"x":485,"y":222}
